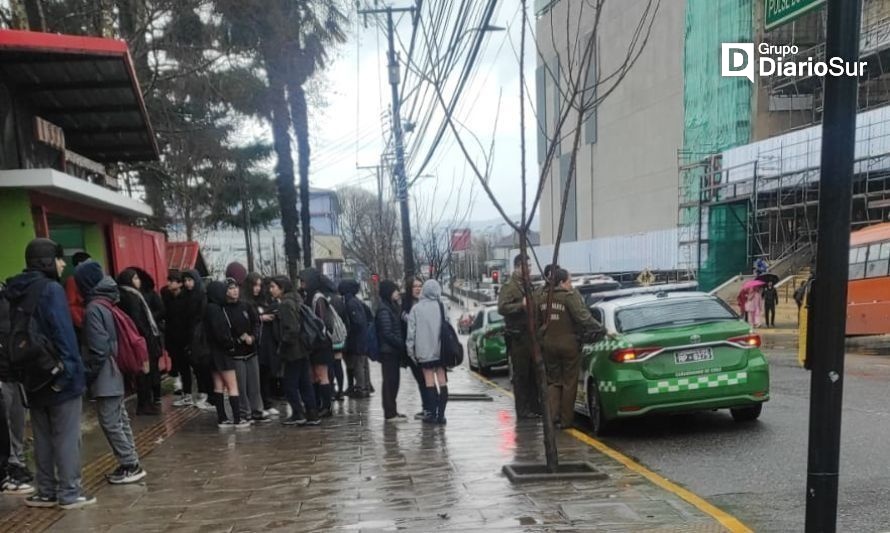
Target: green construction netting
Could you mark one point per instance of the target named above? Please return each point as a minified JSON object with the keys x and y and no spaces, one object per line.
{"x":717,"y":111}
{"x":727,"y":253}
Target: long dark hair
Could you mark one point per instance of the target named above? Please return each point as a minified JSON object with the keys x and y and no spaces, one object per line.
{"x":247,"y":290}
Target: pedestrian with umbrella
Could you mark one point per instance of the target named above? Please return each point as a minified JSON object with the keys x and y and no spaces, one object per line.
{"x":754,"y":301}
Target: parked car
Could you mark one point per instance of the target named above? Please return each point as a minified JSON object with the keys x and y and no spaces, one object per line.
{"x":486,"y":347}
{"x":464,"y":323}
{"x":670,"y":352}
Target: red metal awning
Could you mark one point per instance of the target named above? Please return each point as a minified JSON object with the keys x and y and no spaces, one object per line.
{"x":85,"y":85}
{"x":183,"y":256}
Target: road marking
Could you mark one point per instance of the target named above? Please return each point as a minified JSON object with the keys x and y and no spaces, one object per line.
{"x":725,"y":519}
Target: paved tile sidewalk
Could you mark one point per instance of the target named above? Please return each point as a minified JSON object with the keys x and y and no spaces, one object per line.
{"x":358,"y":473}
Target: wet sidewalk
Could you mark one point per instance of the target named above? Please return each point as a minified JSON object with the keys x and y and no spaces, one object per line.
{"x":358,"y":473}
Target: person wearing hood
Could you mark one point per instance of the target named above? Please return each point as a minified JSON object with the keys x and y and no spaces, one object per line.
{"x":105,"y":378}
{"x":197,"y":349}
{"x":176,"y":333}
{"x":245,"y":325}
{"x":338,"y":304}
{"x":392,"y":347}
{"x":225,"y":341}
{"x":321,"y":359}
{"x":129,"y":284}
{"x":158,"y":312}
{"x":424,"y":348}
{"x":417,"y":372}
{"x":297,"y":368}
{"x":358,"y":318}
{"x":55,"y":408}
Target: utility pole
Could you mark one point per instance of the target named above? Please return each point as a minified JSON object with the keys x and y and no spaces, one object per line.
{"x":832,"y":268}
{"x":401,"y":178}
{"x":245,"y":214}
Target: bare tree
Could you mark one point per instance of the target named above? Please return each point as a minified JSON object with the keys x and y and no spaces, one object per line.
{"x":580,"y":94}
{"x":369,"y":229}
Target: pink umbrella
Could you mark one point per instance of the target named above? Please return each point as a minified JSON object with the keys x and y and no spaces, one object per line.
{"x":752,"y":284}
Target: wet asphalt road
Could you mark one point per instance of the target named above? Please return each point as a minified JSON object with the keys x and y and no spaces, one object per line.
{"x":757,"y":472}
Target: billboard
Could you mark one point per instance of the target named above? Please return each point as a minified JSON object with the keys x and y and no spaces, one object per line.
{"x":460,"y":240}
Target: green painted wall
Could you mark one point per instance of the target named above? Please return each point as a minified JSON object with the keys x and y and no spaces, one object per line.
{"x":17,"y":229}
{"x":94,"y":242}
{"x":717,"y":116}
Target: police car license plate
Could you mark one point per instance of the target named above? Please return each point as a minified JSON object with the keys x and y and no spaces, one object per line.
{"x":694,"y":356}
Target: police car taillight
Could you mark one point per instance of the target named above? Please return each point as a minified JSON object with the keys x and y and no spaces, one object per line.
{"x":748,"y":341}
{"x":629,"y":355}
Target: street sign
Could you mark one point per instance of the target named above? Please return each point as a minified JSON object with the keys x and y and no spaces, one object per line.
{"x":778,"y":12}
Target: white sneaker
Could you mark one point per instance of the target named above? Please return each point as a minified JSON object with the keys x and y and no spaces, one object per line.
{"x":272,"y":413}
{"x":14,"y":487}
{"x":177,"y":385}
{"x":244,"y":424}
{"x":204,"y":406}
{"x":185,"y":401}
{"x":80,"y":502}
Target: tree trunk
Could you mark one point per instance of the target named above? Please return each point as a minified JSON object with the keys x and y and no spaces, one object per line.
{"x":300,"y":118}
{"x":36,"y":20}
{"x":284,"y":168}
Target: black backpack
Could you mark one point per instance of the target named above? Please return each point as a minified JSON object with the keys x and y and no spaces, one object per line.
{"x":31,"y":357}
{"x":312,"y":330}
{"x":451,"y":351}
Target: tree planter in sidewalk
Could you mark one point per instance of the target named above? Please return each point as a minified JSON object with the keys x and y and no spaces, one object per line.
{"x":537,"y":472}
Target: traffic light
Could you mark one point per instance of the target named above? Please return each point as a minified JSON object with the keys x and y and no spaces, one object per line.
{"x":495,"y":277}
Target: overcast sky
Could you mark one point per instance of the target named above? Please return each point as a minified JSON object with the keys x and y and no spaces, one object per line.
{"x":348,"y":131}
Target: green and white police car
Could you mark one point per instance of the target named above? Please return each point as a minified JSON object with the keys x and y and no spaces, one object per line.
{"x":670,"y":352}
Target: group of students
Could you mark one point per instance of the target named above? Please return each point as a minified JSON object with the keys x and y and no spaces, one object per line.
{"x":244,"y":342}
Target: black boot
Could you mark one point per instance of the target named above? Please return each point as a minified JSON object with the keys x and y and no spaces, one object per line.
{"x":216,"y":398}
{"x":443,"y":401}
{"x":432,"y":397}
{"x":327,"y":397}
{"x":235,"y":404}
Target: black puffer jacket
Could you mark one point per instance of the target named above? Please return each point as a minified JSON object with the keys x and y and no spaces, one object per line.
{"x":356,"y":319}
{"x":389,"y":323}
{"x":288,"y":324}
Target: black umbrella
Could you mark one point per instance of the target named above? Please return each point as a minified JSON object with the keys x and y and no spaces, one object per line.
{"x":768,"y":278}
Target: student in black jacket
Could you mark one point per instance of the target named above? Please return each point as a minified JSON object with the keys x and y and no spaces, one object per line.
{"x":134,"y":305}
{"x":392,"y":347}
{"x":227,"y":337}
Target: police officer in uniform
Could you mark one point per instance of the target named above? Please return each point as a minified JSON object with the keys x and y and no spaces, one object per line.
{"x":512,"y":305}
{"x":565,"y":323}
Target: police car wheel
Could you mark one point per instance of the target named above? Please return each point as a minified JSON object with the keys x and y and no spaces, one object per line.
{"x":746,"y":414}
{"x":598,"y":421}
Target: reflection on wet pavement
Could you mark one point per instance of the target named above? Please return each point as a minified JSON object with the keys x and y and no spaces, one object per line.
{"x":357,"y":473}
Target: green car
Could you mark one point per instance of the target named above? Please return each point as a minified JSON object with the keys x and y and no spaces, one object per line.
{"x":486,"y":347}
{"x":670,"y":352}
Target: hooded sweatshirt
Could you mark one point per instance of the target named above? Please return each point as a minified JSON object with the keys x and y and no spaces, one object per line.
{"x":425,"y":325}
{"x":100,"y":332}
{"x":315,"y":285}
{"x":356,"y":318}
{"x":219,"y":334}
{"x":388,"y":322}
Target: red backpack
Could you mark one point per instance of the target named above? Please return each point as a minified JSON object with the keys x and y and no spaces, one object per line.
{"x":132,"y":350}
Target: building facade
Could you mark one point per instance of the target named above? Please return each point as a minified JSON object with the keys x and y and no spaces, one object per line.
{"x":70,"y":106}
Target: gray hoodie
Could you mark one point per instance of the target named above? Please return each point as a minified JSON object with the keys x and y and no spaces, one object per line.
{"x":101,"y":342}
{"x":425,"y":325}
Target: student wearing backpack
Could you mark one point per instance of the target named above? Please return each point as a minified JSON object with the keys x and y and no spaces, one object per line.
{"x":102,"y":340}
{"x":225,"y":343}
{"x":356,"y":340}
{"x":36,"y":295}
{"x":293,"y":354}
{"x":14,"y":407}
{"x":132,"y":303}
{"x":321,"y":357}
{"x":392,"y":347}
{"x":339,"y":306}
{"x":424,"y":348}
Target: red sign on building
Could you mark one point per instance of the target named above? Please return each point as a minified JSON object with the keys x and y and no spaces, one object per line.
{"x":460,"y":240}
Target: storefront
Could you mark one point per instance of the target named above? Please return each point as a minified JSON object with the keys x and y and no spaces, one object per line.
{"x":70,"y":107}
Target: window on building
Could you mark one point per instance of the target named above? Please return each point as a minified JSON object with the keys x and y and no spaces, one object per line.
{"x":857,"y":262}
{"x":541,"y":111}
{"x":877,"y":264}
{"x":590,"y":96}
{"x":570,"y":229}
